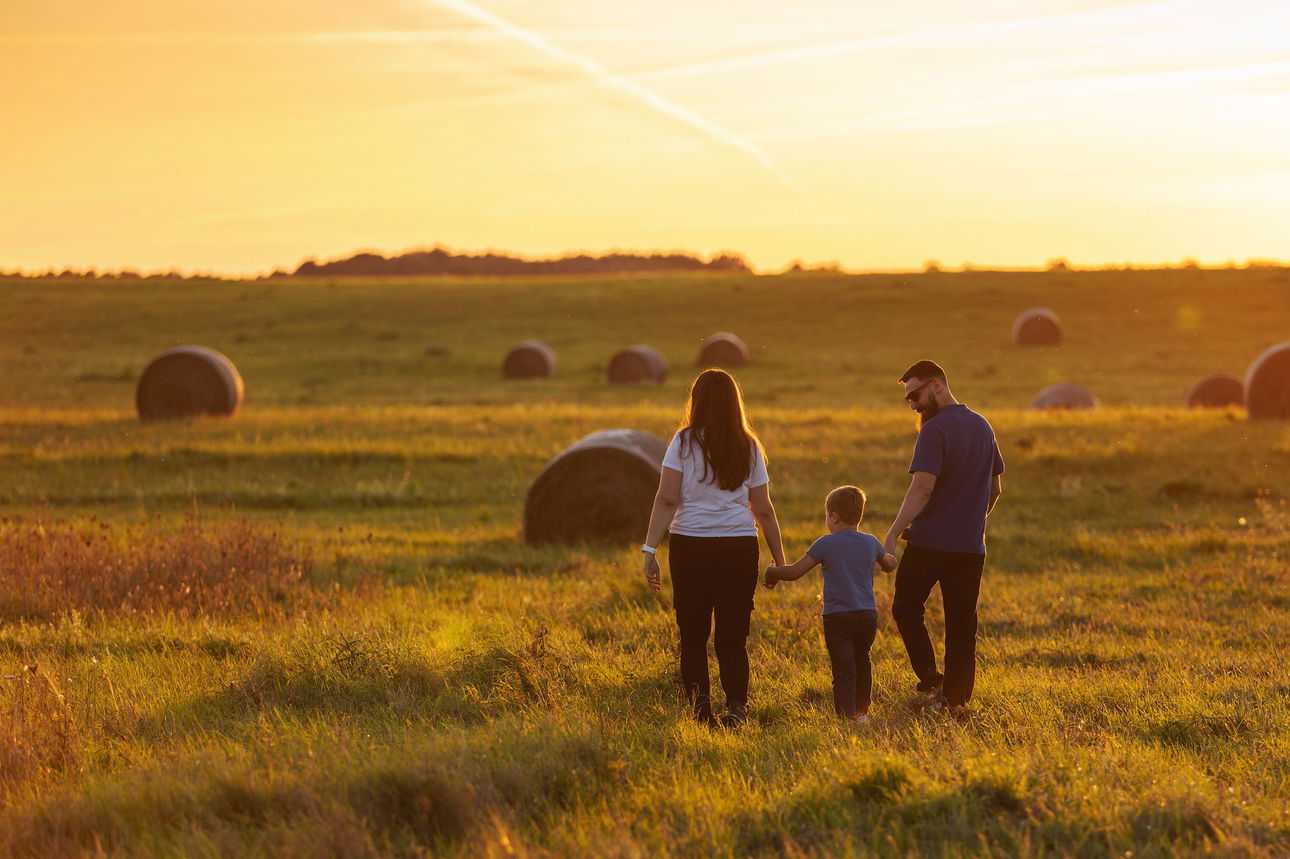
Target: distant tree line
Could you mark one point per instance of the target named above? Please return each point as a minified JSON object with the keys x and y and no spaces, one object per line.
{"x":441,"y":261}
{"x":126,"y":274}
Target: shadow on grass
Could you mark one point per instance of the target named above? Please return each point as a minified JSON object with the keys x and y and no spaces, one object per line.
{"x":353,"y":675}
{"x":885,"y":799}
{"x":396,"y":800}
{"x":1076,"y":659}
{"x":511,"y":556}
{"x":213,"y":646}
{"x":995,"y":812}
{"x":1202,"y":731}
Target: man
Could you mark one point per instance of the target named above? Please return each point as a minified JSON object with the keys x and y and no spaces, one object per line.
{"x":957,"y":478}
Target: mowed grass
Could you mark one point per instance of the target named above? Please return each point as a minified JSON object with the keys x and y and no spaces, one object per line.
{"x":447,"y":689}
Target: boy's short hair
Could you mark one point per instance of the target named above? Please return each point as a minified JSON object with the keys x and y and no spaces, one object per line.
{"x":925,"y":370}
{"x":847,"y":503}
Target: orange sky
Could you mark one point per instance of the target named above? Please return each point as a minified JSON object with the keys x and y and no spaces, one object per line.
{"x":238,"y":136}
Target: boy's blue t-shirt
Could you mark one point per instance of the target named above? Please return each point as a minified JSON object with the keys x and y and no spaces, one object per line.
{"x":848,"y":558}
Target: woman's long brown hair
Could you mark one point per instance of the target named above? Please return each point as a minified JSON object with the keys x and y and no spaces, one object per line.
{"x":715,"y":420}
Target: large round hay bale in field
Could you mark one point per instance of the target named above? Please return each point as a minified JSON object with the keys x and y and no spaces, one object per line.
{"x":1064,"y":395}
{"x":1037,"y":326}
{"x":722,"y":349}
{"x":598,"y":490}
{"x":531,"y":359}
{"x":1267,"y":384}
{"x":188,"y":381}
{"x":1216,"y":391}
{"x":637,"y":364}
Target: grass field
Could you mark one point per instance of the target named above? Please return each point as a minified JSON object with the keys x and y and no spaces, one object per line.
{"x":371,"y":662}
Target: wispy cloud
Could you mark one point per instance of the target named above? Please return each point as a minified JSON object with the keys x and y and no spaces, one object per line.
{"x":1076,"y":23}
{"x":613,"y":80}
{"x":1048,"y":91}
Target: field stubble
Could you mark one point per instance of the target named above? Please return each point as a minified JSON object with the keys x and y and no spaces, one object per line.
{"x":402,"y":674}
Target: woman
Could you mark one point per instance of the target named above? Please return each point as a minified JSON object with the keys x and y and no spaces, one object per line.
{"x":713,"y":493}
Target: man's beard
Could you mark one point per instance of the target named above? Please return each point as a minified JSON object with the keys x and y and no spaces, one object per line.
{"x":927,"y":412}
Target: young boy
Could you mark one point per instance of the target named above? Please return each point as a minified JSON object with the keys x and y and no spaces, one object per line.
{"x":850,"y":614}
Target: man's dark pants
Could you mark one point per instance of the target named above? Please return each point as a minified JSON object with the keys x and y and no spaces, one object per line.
{"x":959,"y":575}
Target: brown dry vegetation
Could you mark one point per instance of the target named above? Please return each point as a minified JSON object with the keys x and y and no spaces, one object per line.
{"x":195,"y":568}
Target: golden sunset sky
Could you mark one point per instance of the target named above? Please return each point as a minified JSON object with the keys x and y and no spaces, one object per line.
{"x":240,"y":135}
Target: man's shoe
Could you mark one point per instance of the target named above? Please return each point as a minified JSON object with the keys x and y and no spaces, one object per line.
{"x":959,"y":713}
{"x":932,"y":695}
{"x":734,"y":717}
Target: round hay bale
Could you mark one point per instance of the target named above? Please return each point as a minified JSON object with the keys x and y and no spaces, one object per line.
{"x":1037,"y":326}
{"x":722,"y":349}
{"x":598,"y":490}
{"x":1064,"y":395}
{"x":531,"y":359}
{"x":188,"y":381}
{"x":637,"y":364}
{"x":1267,"y":384}
{"x":1216,"y":391}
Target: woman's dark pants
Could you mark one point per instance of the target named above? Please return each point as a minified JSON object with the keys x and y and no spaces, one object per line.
{"x":714,"y":578}
{"x":848,"y":635}
{"x":959,"y":575}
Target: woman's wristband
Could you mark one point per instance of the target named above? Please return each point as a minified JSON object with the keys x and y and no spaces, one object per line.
{"x":651,"y":549}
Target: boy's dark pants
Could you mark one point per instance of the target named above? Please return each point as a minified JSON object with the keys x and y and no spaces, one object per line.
{"x":848,"y":635}
{"x":714,"y":577}
{"x":959,"y":575}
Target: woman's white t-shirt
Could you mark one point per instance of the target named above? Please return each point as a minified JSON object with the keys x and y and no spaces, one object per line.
{"x":707,"y":510}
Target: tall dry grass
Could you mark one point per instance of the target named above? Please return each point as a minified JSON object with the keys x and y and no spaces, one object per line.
{"x":39,"y":734}
{"x":192,"y":569}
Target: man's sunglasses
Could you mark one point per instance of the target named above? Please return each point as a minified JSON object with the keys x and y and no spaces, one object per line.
{"x":912,"y":396}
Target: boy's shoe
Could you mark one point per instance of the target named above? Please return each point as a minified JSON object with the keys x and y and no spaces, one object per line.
{"x":735,"y":717}
{"x":860,"y":719}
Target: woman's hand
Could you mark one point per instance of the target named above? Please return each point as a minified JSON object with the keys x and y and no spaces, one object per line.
{"x":652,"y":573}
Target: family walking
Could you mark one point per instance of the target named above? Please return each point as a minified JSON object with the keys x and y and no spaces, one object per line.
{"x":714,"y":492}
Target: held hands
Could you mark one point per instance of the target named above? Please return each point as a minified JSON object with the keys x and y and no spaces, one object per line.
{"x":652,"y":574}
{"x":889,"y":542}
{"x":770,"y":579}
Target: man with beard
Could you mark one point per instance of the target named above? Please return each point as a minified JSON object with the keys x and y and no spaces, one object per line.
{"x":957,"y":477}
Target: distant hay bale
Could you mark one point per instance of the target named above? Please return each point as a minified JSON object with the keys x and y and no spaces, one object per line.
{"x":188,"y":381}
{"x":723,"y":349}
{"x":1037,"y":326}
{"x":531,"y":359}
{"x":1216,"y":391}
{"x":1267,"y":384}
{"x":637,"y":364}
{"x":598,"y":490}
{"x":1064,"y":395}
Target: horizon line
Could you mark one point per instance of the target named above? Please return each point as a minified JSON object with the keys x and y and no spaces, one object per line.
{"x":1056,"y":264}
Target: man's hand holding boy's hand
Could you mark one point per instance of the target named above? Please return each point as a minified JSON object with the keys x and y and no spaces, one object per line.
{"x":770,"y":580}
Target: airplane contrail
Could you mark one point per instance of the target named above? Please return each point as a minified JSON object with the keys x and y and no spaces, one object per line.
{"x":612,"y":79}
